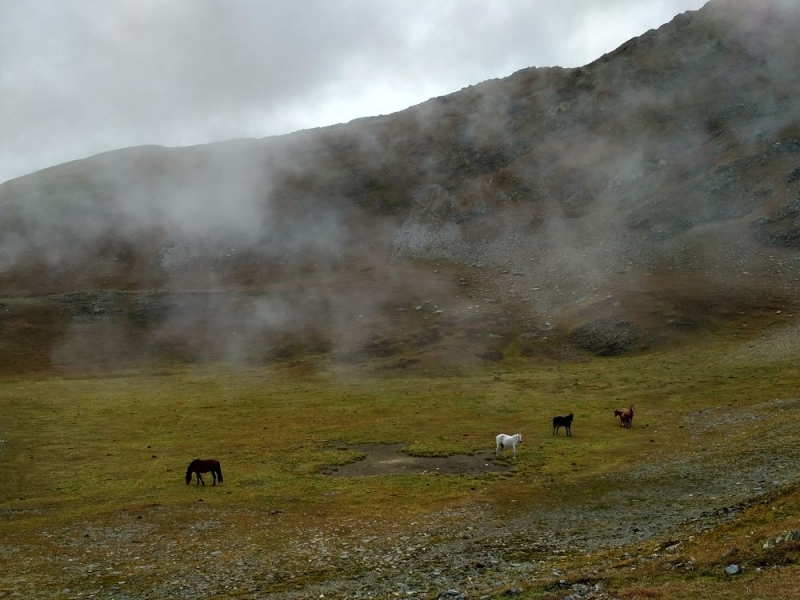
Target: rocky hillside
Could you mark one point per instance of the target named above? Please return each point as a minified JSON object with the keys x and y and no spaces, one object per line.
{"x":603,"y":209}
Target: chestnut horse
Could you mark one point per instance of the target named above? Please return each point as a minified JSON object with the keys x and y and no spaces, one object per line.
{"x":625,"y":417}
{"x":200,"y":465}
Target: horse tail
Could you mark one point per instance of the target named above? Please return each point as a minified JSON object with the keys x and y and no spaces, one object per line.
{"x":219,"y":472}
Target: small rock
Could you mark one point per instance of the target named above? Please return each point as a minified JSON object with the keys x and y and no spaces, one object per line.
{"x":732,"y":570}
{"x":793,"y":535}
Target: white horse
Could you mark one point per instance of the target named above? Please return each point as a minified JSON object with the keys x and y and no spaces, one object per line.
{"x":504,"y":441}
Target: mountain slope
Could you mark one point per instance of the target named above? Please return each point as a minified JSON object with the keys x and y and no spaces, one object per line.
{"x":651,"y":192}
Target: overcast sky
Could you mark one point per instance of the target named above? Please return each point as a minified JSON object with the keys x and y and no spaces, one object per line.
{"x":79,"y":77}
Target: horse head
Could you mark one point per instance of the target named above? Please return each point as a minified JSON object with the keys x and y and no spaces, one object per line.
{"x":189,"y":473}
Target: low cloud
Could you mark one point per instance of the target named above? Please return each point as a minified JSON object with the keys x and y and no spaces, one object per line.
{"x":88,"y":76}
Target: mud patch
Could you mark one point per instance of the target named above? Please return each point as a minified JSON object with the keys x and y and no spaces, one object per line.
{"x":390,"y":459}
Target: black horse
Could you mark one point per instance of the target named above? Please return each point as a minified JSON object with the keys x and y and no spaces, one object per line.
{"x":200,"y":465}
{"x":565,"y":422}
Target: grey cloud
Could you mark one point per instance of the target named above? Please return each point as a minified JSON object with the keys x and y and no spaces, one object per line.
{"x":88,"y":76}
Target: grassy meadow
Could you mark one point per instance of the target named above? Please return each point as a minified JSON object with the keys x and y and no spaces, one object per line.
{"x":94,"y":466}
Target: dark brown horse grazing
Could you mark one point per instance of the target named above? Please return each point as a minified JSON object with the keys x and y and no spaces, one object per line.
{"x":200,"y":465}
{"x":625,"y":417}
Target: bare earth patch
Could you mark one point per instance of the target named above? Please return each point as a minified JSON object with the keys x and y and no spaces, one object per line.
{"x":391,"y":459}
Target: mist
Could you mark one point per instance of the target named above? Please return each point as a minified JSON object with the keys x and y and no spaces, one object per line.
{"x":89,"y":76}
{"x":548,"y":198}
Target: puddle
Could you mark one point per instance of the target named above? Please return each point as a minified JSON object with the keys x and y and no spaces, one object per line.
{"x":389,"y":459}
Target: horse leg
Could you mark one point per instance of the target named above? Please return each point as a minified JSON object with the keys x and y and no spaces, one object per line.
{"x":214,"y":476}
{"x":200,"y":479}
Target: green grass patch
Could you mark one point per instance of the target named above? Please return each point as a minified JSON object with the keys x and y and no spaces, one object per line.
{"x":87,"y":457}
